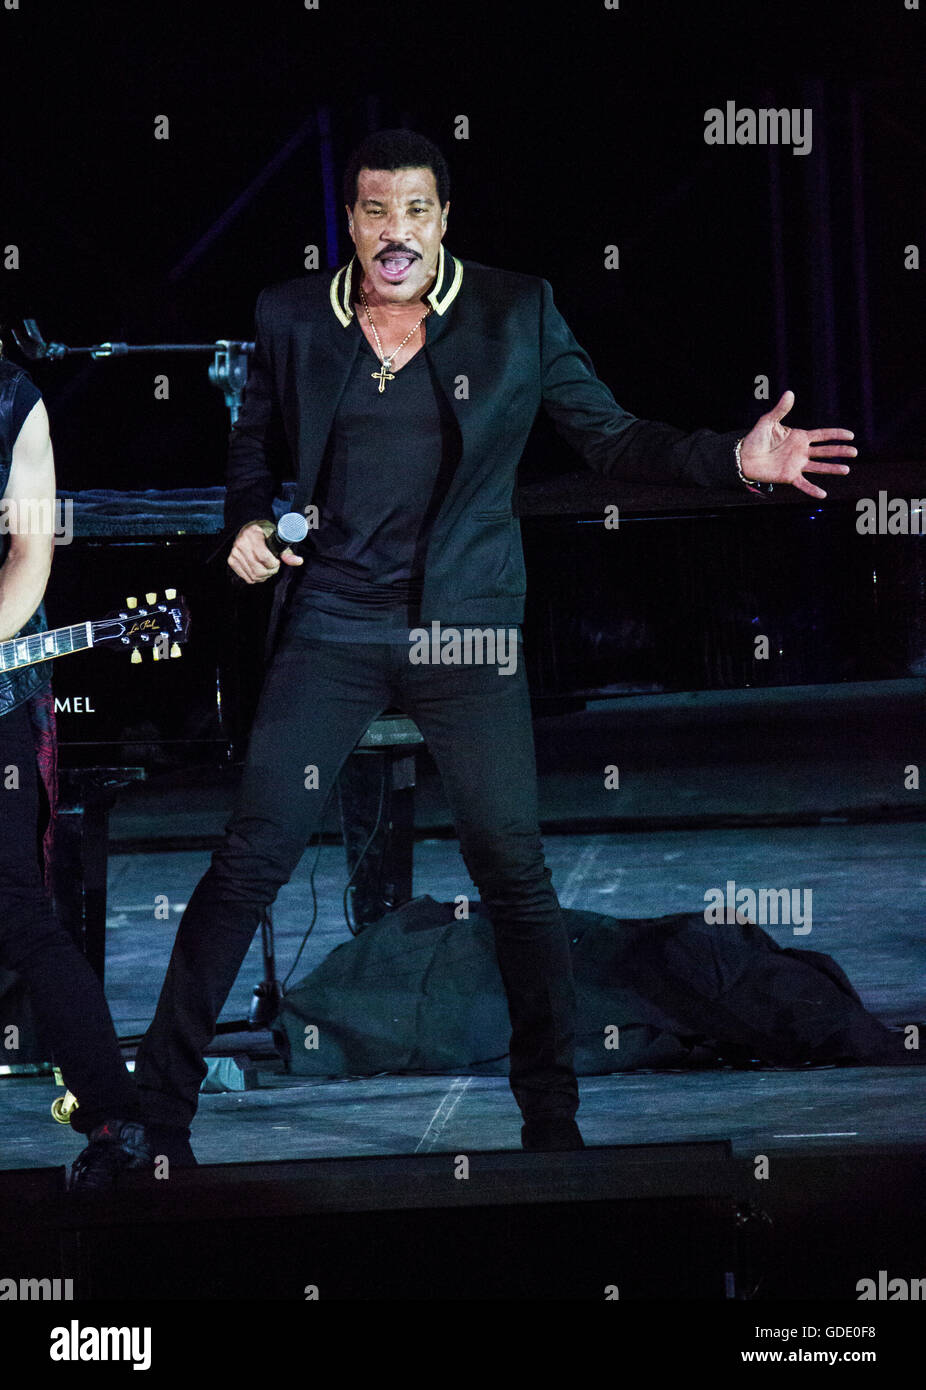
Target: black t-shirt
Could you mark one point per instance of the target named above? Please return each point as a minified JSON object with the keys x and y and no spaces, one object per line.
{"x":23,"y":402}
{"x":387,"y":467}
{"x":20,"y":395}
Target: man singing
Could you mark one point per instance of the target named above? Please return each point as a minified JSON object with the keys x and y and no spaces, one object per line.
{"x":66,"y":996}
{"x":401,"y":392}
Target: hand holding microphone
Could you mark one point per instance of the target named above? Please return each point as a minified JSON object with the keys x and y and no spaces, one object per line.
{"x":260,"y":547}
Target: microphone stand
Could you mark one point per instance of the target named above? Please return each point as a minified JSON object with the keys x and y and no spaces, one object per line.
{"x":267,"y":999}
{"x":228,"y":369}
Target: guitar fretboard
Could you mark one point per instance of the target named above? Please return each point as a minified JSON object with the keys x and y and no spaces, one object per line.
{"x":42,"y":646}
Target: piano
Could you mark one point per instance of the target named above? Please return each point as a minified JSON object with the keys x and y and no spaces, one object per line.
{"x":671,"y":599}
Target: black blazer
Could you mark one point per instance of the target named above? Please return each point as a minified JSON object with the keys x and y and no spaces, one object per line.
{"x":501,"y":350}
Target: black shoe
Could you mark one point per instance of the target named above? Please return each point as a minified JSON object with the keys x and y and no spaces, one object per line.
{"x":114,"y":1147}
{"x":550,"y":1133}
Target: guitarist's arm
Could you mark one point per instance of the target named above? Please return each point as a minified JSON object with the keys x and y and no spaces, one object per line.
{"x":30,"y":494}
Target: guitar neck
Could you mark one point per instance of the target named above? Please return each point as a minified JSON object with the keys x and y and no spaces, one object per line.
{"x":43,"y":646}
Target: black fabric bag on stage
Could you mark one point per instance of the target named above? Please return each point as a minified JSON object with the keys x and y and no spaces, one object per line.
{"x":420,"y":991}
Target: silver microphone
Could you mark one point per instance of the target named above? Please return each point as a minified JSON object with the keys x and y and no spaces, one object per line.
{"x":291,"y":529}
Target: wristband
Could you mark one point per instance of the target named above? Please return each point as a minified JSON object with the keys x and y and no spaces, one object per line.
{"x":750,"y":482}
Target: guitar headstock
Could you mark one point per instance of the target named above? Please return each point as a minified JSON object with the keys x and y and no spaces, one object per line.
{"x":158,"y":624}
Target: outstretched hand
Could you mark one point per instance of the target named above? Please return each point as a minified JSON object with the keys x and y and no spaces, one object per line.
{"x":776,"y":453}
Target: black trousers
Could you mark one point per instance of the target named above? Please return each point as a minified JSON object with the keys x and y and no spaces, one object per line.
{"x":66,"y":995}
{"x":317,"y":701}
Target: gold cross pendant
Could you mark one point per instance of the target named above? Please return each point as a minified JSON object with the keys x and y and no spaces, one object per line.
{"x":383,"y":375}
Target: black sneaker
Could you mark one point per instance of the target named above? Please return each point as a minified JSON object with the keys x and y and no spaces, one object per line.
{"x":550,"y":1134}
{"x":114,"y":1147}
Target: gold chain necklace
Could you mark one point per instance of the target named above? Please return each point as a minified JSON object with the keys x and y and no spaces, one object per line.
{"x":384,"y":374}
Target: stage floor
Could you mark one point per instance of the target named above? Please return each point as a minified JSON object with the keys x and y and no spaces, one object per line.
{"x":868,"y":884}
{"x":771,"y":789}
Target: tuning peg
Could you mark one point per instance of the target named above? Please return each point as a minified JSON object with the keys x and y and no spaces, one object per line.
{"x":136,"y":656}
{"x":175,"y":650}
{"x":170,"y":594}
{"x":151,"y":598}
{"x":131,"y":603}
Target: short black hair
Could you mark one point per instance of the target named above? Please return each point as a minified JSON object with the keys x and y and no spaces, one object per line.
{"x":396,"y":149}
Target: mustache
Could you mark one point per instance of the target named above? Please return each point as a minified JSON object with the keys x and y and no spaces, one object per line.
{"x":396,"y":250}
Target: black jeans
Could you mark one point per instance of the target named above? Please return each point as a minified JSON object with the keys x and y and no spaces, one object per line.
{"x":66,"y":996}
{"x":317,"y":701}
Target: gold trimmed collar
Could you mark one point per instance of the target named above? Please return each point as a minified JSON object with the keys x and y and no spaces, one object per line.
{"x":440,"y":297}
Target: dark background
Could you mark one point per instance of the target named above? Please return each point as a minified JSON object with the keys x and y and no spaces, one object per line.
{"x":586,"y":128}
